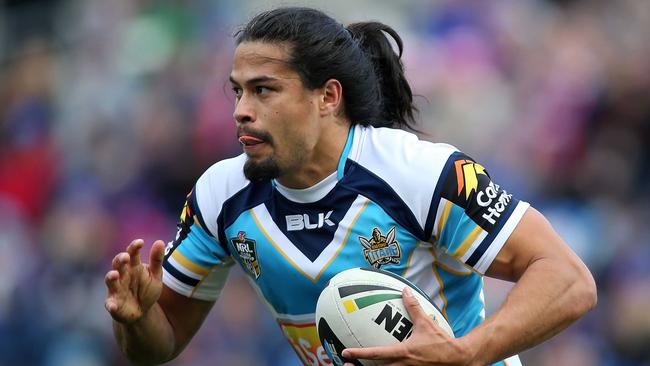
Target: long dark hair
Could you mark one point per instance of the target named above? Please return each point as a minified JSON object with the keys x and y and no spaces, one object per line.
{"x":360,"y":57}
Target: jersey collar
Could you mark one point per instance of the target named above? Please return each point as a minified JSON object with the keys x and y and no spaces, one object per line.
{"x":344,"y":154}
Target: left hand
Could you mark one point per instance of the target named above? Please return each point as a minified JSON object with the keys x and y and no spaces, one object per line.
{"x":427,"y":345}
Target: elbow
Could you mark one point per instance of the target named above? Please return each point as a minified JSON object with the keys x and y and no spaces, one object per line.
{"x":140,"y":355}
{"x":592,"y":293}
{"x":145,"y":360}
{"x":586,"y":293}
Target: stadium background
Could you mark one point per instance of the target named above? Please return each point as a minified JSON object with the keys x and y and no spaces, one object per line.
{"x":109,"y":110}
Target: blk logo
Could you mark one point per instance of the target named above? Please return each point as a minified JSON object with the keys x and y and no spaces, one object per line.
{"x":300,"y":222}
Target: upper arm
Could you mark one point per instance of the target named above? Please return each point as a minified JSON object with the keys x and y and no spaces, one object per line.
{"x":533,"y":239}
{"x":195,"y":270}
{"x":471,"y":217}
{"x":196,"y":264}
{"x":481,"y":225}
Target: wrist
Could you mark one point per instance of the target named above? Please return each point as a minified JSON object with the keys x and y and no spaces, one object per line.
{"x":471,"y":346}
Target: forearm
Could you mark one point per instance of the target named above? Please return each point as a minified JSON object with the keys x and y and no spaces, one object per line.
{"x":147,"y":341}
{"x":547,"y":298}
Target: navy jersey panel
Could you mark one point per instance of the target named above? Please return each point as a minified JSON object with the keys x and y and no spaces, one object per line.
{"x":313,"y":224}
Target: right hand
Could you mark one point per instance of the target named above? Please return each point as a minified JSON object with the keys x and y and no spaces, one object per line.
{"x":133,"y":286}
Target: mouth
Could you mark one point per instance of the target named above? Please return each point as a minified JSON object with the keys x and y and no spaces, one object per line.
{"x":253,"y":144}
{"x":248,"y":140}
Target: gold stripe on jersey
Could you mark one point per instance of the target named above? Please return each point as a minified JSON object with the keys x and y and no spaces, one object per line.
{"x":442,"y":284}
{"x":344,"y":241}
{"x":456,"y":272}
{"x":312,"y":273}
{"x":203,"y":279}
{"x":442,"y":288}
{"x":189,"y":265}
{"x":276,"y":246}
{"x":408,"y":261}
{"x":467,"y":243}
{"x":443,"y":218}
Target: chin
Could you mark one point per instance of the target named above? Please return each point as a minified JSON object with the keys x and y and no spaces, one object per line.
{"x":257,"y":170}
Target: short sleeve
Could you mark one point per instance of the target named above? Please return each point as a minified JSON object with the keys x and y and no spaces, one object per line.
{"x":195,"y":264}
{"x":472,"y":216}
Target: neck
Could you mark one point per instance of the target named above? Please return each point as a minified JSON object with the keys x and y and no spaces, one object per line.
{"x":323,"y":160}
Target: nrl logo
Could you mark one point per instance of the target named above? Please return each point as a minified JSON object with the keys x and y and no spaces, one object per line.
{"x":246,"y":250}
{"x":380,"y":250}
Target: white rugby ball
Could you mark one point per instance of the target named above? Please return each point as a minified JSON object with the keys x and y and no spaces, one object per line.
{"x":362,"y":307}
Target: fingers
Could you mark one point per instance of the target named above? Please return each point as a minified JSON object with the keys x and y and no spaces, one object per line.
{"x":112,"y":280}
{"x":129,"y":284}
{"x":111,"y":305}
{"x":156,"y":256}
{"x":391,"y":352}
{"x":117,"y":280}
{"x":134,"y":251}
{"x":397,"y":354}
{"x":121,"y":264}
{"x":412,"y":305}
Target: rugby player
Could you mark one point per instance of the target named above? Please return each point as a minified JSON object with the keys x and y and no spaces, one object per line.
{"x":326,"y":168}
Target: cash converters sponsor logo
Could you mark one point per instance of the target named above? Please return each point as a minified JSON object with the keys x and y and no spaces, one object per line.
{"x":380,"y":250}
{"x":247,"y":252}
{"x":331,"y":352}
{"x":467,"y":173}
{"x":494,"y":200}
{"x":307,"y":345}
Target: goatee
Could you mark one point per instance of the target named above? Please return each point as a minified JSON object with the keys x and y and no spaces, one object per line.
{"x":261,"y":171}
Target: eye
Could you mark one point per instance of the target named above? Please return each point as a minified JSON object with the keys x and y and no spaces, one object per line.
{"x":237,"y":91}
{"x":262,"y":90}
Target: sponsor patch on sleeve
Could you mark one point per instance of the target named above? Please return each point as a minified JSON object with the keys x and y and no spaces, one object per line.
{"x":186,"y":220}
{"x":468,"y":185}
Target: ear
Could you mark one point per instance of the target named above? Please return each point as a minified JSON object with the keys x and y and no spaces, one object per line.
{"x":331,"y":98}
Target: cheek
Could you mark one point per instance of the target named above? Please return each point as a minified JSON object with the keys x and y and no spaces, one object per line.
{"x":294,"y":127}
{"x":292,"y":145}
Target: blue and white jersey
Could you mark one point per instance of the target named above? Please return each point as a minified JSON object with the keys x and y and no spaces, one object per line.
{"x":421,"y":210}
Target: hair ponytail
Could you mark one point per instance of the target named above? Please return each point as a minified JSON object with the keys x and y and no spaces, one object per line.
{"x":396,"y":95}
{"x":361,"y":58}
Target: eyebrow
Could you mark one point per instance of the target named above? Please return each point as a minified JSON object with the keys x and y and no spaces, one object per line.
{"x":255,"y":80}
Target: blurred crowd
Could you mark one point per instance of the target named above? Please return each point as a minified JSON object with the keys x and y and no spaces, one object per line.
{"x":110,"y":110}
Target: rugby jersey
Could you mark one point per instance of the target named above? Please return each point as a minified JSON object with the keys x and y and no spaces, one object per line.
{"x":422,"y":210}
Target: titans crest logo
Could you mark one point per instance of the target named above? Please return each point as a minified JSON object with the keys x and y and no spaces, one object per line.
{"x":381,"y":250}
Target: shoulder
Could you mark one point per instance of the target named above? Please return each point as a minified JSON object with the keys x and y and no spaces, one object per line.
{"x":400,"y":157}
{"x":395,"y":148}
{"x":217,"y":184}
{"x":400,"y":160}
{"x":225,"y":175}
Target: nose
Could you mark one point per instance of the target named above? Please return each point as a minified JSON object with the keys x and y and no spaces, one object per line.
{"x":244,"y":111}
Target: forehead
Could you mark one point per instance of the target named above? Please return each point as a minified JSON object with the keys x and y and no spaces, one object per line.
{"x":255,"y":59}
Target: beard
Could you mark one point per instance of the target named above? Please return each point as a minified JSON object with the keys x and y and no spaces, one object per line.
{"x":264,"y":170}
